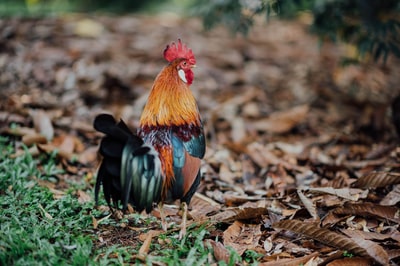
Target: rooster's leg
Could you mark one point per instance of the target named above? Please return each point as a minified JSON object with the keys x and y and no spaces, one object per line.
{"x":164,"y":223}
{"x":184,"y":209}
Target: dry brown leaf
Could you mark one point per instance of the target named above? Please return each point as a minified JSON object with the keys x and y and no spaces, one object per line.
{"x":45,"y":213}
{"x":291,"y":148}
{"x":395,"y":236}
{"x":65,"y":143}
{"x":242,"y":237}
{"x":20,"y":131}
{"x":202,"y":206}
{"x":262,"y":156}
{"x":351,"y":262}
{"x":362,"y":209}
{"x":83,"y":196}
{"x":44,"y":183}
{"x":330,"y":219}
{"x":308,"y":204}
{"x":220,"y":251}
{"x":392,"y":198}
{"x":291,"y":261}
{"x":80,"y":126}
{"x":377,"y":179}
{"x":282,"y":121}
{"x":369,"y":235}
{"x":228,"y":109}
{"x":373,"y":249}
{"x":94,"y":222}
{"x":57,"y":194}
{"x":322,"y":235}
{"x":35,"y":138}
{"x":42,"y":123}
{"x":144,"y":249}
{"x":10,"y":117}
{"x":232,"y":199}
{"x":379,"y":151}
{"x":364,"y":163}
{"x":346,"y":193}
{"x":88,"y":156}
{"x":78,"y":145}
{"x":394,"y":253}
{"x":251,"y":109}
{"x":226,"y":174}
{"x":50,"y":148}
{"x":268,"y":244}
{"x":239,"y":213}
{"x":238,"y":132}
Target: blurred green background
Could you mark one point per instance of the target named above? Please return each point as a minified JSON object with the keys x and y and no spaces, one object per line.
{"x":55,"y":7}
{"x":372,"y":26}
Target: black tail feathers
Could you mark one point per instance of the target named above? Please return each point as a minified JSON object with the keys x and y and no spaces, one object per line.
{"x":130,"y":171}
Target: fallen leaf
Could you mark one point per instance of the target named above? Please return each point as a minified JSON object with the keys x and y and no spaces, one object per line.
{"x":350,"y":262}
{"x":322,"y":235}
{"x":377,"y":179}
{"x":94,"y":222}
{"x":83,"y":196}
{"x":238,"y":132}
{"x":239,"y":213}
{"x":35,"y":138}
{"x":46,"y":214}
{"x":65,"y":143}
{"x":203,"y":206}
{"x":309,"y":204}
{"x":42,"y":123}
{"x":392,"y":198}
{"x":346,"y":193}
{"x":282,"y":121}
{"x":305,"y":260}
{"x":20,"y":131}
{"x":220,"y":251}
{"x":88,"y":156}
{"x":362,"y":209}
{"x":144,"y":249}
{"x":242,"y":237}
{"x":374,"y":250}
{"x":50,"y":148}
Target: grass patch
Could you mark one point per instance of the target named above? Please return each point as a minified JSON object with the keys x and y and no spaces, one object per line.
{"x":37,"y":228}
{"x":41,"y":229}
{"x":191,"y":250}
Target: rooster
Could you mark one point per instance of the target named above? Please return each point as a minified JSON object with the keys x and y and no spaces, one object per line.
{"x":161,"y":163}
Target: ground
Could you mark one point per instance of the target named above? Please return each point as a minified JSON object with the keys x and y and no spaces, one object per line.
{"x":302,"y":156}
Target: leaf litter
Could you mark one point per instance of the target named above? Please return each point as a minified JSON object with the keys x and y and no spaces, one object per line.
{"x":302,"y":162}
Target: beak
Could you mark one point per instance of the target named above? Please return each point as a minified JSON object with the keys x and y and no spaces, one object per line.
{"x":193,"y":66}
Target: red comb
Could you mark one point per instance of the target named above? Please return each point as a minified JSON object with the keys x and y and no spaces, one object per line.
{"x":174,"y":51}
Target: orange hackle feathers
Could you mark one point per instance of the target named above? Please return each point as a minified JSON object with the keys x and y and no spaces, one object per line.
{"x":166,"y":152}
{"x":174,"y":51}
{"x":170,"y":102}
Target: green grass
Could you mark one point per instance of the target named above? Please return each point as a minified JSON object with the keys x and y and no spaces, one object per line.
{"x":39,"y":229}
{"x":36,"y":227}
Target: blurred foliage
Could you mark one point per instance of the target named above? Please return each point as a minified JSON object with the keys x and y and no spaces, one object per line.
{"x":373,"y":26}
{"x":46,"y":7}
